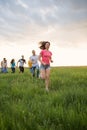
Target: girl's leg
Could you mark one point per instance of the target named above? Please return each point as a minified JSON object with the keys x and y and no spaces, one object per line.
{"x":13,"y":70}
{"x":47,"y":78}
{"x":42,"y":73}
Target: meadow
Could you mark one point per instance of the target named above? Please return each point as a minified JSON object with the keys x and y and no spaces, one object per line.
{"x":25,"y":104}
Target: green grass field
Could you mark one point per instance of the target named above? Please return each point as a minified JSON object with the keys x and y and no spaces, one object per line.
{"x":25,"y":105}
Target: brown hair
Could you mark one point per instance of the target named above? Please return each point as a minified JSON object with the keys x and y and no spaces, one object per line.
{"x":42,"y":44}
{"x":12,"y":61}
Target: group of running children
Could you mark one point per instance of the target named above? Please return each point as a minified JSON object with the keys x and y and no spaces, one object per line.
{"x":45,"y":57}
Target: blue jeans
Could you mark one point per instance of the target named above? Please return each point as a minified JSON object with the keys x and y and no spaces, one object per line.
{"x":4,"y":70}
{"x":35,"y":69}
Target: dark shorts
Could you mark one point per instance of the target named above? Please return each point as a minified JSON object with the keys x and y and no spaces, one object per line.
{"x":21,"y":69}
{"x":44,"y":67}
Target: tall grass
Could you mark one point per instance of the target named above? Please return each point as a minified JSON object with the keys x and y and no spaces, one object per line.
{"x":25,"y":105}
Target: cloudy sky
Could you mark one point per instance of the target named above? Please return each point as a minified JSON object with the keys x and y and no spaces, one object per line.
{"x":23,"y":23}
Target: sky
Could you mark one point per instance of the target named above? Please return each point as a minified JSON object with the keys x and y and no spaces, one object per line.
{"x":24,"y":23}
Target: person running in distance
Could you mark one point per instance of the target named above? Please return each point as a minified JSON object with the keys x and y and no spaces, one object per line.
{"x":21,"y":64}
{"x":13,"y":65}
{"x":1,"y":66}
{"x":4,"y":66}
{"x":35,"y":65}
{"x":45,"y":57}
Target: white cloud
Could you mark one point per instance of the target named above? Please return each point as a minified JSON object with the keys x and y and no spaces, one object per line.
{"x":20,"y":2}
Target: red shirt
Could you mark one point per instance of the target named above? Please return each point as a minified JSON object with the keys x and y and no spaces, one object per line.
{"x":46,"y":56}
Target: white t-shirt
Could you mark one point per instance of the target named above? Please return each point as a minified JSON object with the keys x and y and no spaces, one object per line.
{"x":21,"y":62}
{"x":34,"y":59}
